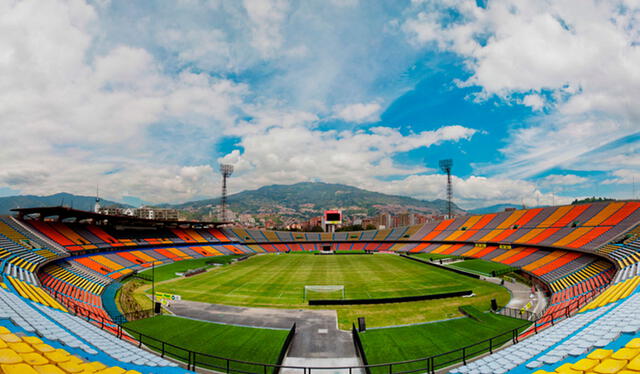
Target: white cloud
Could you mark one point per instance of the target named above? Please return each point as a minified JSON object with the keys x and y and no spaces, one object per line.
{"x":563,"y":180}
{"x":294,"y":154}
{"x":536,"y":102}
{"x":267,"y":17}
{"x":359,"y":112}
{"x":471,"y":192}
{"x":142,"y":112}
{"x":624,"y":176}
{"x":70,"y":118}
{"x":583,"y":54}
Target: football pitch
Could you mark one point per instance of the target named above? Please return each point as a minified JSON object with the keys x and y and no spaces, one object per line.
{"x":279,"y":281}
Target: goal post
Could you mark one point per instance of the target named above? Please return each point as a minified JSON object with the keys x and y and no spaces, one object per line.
{"x":323,"y":289}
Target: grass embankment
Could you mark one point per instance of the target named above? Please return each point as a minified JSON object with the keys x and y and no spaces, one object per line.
{"x":166,"y":272}
{"x":132,"y":296}
{"x":418,"y":341}
{"x":239,"y":343}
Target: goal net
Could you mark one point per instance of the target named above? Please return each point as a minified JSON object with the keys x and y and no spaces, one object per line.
{"x":328,"y":292}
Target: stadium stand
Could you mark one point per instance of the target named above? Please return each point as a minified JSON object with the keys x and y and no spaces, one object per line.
{"x":601,"y":338}
{"x":586,"y":255}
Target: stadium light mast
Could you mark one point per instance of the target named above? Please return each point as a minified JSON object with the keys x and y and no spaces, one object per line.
{"x":96,"y":207}
{"x":226,"y":170}
{"x":445,"y":166}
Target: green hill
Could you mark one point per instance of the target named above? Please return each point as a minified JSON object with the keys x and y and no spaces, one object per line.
{"x":308,"y":199}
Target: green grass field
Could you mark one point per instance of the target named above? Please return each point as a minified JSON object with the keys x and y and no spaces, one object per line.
{"x":235,"y":342}
{"x":481,"y":267}
{"x":279,"y":280}
{"x":418,"y":341}
{"x":166,"y":272}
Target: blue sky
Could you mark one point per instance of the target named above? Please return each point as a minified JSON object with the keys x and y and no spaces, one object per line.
{"x":534,"y":101}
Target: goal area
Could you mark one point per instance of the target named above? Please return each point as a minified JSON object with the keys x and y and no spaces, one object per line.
{"x":335,"y":290}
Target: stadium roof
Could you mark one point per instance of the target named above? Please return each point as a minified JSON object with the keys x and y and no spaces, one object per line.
{"x":64,"y":213}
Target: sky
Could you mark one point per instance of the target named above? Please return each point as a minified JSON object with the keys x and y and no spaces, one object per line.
{"x":536,"y":102}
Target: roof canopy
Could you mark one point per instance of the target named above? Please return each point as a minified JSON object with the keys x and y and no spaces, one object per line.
{"x":65,"y":213}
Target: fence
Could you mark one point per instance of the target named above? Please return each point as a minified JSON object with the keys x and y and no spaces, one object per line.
{"x":285,"y":346}
{"x":359,"y":348}
{"x":550,"y":317}
{"x":428,"y":364}
{"x":194,"y":359}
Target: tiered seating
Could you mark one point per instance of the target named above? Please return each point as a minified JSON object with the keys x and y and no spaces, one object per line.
{"x":114,"y":265}
{"x":76,"y":287}
{"x":614,"y":293}
{"x":31,"y":239}
{"x":591,"y":271}
{"x":36,"y":294}
{"x":584,"y":343}
{"x":19,"y":251}
{"x":80,"y":237}
{"x":65,"y":344}
{"x":580,"y":226}
{"x":622,"y":360}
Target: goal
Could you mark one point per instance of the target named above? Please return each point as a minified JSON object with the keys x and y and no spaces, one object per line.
{"x":323,"y":289}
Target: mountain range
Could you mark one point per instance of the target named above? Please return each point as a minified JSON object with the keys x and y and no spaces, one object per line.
{"x":308,"y":199}
{"x":300,"y":201}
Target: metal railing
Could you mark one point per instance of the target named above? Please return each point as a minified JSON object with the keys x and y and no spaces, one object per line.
{"x":429,"y":364}
{"x":550,"y":318}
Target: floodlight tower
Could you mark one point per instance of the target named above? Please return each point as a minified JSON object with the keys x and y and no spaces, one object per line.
{"x":445,"y":166}
{"x":96,"y":207}
{"x":226,"y":170}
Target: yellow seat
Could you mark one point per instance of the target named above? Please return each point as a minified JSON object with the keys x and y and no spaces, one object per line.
{"x":132,"y":372}
{"x":566,"y":369}
{"x":600,"y":354}
{"x":18,"y":369}
{"x":610,"y":366}
{"x":43,"y":348}
{"x":34,"y":359}
{"x":633,"y":343}
{"x":97,"y":365}
{"x":48,"y":369}
{"x":75,"y":360}
{"x":634,"y":364}
{"x":32,"y":340}
{"x":87,"y":367}
{"x":4,"y":330}
{"x":71,"y":367}
{"x":586,"y":364}
{"x":625,"y":354}
{"x":10,"y":338}
{"x":3,"y":344}
{"x":112,"y":370}
{"x":21,"y":347}
{"x":7,"y":356}
{"x":57,"y":356}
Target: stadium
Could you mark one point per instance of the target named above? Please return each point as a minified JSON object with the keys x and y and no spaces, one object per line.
{"x":441,"y":296}
{"x":319,"y":186}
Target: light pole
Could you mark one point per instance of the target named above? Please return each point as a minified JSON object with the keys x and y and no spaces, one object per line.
{"x":226,"y":170}
{"x":153,"y":284}
{"x":445,"y":166}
